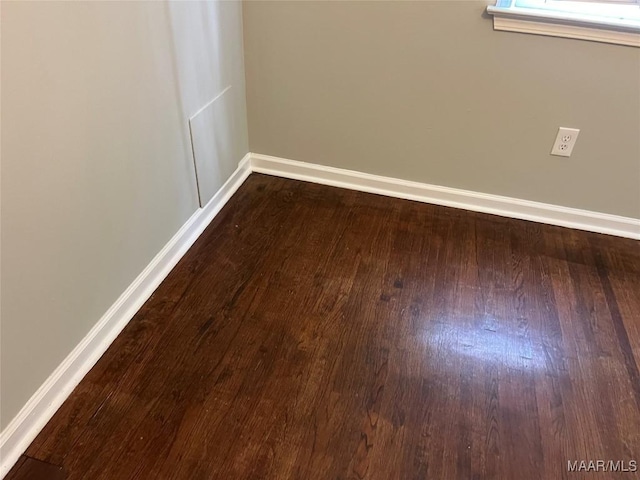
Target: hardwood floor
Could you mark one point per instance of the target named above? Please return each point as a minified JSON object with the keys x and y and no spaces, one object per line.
{"x":320,"y":333}
{"x":27,"y":468}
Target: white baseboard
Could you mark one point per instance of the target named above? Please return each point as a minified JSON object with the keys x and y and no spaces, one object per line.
{"x":17,"y":436}
{"x":450,"y":197}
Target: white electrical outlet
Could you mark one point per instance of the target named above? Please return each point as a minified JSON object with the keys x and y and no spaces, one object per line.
{"x":565,"y":141}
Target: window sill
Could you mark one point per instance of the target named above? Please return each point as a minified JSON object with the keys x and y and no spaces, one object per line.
{"x":564,"y":24}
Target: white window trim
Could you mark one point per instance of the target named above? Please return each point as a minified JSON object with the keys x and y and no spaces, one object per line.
{"x":508,"y":17}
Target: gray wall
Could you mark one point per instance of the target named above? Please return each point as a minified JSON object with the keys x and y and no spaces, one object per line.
{"x":97,"y":170}
{"x":427,"y":91}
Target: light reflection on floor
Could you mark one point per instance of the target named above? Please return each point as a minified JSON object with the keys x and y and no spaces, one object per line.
{"x":496,"y":344}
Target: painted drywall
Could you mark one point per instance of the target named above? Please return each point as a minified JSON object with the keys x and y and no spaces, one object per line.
{"x":97,"y":167}
{"x":427,"y":91}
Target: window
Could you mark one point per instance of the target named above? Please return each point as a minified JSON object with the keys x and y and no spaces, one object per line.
{"x":610,"y":21}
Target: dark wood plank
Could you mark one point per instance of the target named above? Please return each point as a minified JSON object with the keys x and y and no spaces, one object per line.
{"x":27,"y":468}
{"x":315,"y":333}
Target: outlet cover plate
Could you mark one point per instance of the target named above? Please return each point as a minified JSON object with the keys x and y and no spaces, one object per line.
{"x":565,"y":141}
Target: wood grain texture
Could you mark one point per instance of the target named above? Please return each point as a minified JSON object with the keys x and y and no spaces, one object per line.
{"x":319,"y":333}
{"x":27,"y":468}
